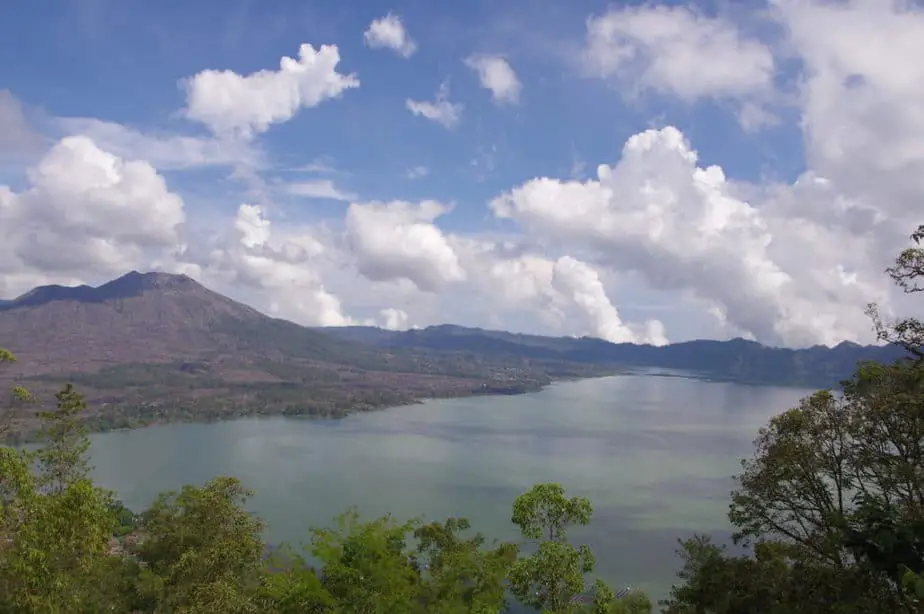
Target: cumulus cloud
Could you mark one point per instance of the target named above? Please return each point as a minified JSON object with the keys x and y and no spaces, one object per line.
{"x":244,"y":105}
{"x":394,"y":319}
{"x":388,"y":33}
{"x":88,"y":215}
{"x":441,"y":111}
{"x":581,"y":284}
{"x":565,"y":295}
{"x":679,"y":51}
{"x":398,"y":240}
{"x":87,"y":211}
{"x":281,"y":268}
{"x":863,"y":105}
{"x":496,"y":75}
{"x":785,"y":262}
{"x":658,"y":213}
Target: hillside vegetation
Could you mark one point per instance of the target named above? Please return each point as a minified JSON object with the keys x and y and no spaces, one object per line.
{"x":154,"y":347}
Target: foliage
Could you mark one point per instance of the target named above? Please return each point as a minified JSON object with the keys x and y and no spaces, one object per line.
{"x":202,"y":551}
{"x":461,"y":575}
{"x":18,"y":395}
{"x":908,"y":273}
{"x":55,"y":525}
{"x":64,"y":456}
{"x":832,"y":501}
{"x":553,"y":577}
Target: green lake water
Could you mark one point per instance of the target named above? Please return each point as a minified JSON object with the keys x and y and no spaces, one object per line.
{"x":654,"y":454}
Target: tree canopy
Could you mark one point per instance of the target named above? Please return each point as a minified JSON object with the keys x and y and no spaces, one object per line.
{"x":832,"y":502}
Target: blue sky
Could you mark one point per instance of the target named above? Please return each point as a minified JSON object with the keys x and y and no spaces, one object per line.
{"x":125,"y":63}
{"x":122,"y":61}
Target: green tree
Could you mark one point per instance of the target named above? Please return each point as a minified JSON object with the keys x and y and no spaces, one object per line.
{"x":833,"y":498}
{"x":64,"y":455}
{"x":771,"y":581}
{"x":365,"y":566}
{"x":56,"y":525}
{"x":202,"y":551}
{"x":908,"y":274}
{"x":461,"y":576}
{"x":18,"y":395}
{"x":551,"y":577}
{"x":291,"y":586}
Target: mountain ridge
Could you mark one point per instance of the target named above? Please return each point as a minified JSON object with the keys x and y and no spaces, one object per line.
{"x":155,"y":347}
{"x":134,"y":282}
{"x":734,"y":359}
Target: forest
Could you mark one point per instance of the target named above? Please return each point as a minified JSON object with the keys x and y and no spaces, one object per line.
{"x":829,"y":510}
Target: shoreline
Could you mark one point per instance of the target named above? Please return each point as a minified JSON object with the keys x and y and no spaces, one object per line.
{"x":96,"y":424}
{"x":93,"y":426}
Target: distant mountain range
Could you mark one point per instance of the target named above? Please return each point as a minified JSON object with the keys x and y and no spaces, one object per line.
{"x":151,"y":347}
{"x":736,"y":359}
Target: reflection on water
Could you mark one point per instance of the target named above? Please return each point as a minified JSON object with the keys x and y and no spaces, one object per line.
{"x":654,"y":454}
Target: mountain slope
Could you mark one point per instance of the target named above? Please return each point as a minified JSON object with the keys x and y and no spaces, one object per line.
{"x":736,"y":359}
{"x":153,"y":347}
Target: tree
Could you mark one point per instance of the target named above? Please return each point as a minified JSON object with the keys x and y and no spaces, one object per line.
{"x":202,"y":550}
{"x":291,"y":586}
{"x":770,"y":581}
{"x":908,"y":274}
{"x":64,"y":455}
{"x":833,"y":498}
{"x":55,"y":524}
{"x":18,"y":395}
{"x":460,"y":575}
{"x":545,"y":511}
{"x":365,"y":566}
{"x":551,"y":578}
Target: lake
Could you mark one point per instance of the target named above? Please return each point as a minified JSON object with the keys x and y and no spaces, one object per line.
{"x":654,"y":454}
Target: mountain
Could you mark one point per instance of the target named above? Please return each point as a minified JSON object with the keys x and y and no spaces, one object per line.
{"x":150,"y":347}
{"x":154,"y":347}
{"x":736,"y":360}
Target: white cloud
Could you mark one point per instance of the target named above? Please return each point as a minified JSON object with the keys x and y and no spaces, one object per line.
{"x":581,"y":284}
{"x":563,"y":296}
{"x":788,"y":262}
{"x":656,"y":212}
{"x":863,"y":105}
{"x":496,"y":75}
{"x":282,"y":269}
{"x":86,"y":212}
{"x":394,"y":319}
{"x":233,"y":104}
{"x":318,"y":188}
{"x":388,"y":33}
{"x":322,"y":165}
{"x":440,"y":110}
{"x":399,"y":240}
{"x":417,"y":172}
{"x":164,"y":151}
{"x":679,"y":51}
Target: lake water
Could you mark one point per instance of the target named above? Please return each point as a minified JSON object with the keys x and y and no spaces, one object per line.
{"x":654,"y":455}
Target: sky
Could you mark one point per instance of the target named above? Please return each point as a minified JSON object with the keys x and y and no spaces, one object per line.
{"x":648,"y":172}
